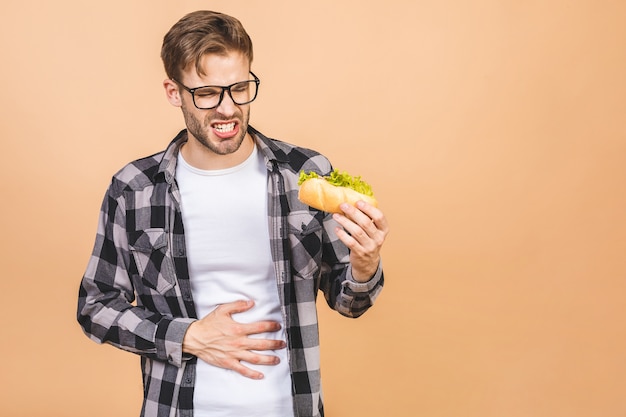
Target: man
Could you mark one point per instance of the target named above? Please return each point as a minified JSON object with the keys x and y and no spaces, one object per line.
{"x":205,"y":262}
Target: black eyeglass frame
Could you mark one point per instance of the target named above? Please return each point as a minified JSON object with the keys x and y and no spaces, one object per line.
{"x":192,"y":91}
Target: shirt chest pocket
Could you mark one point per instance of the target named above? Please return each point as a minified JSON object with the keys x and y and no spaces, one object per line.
{"x":154,"y":265}
{"x":305,"y":237}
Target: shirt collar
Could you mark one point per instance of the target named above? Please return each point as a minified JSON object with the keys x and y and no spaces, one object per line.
{"x":271,"y":152}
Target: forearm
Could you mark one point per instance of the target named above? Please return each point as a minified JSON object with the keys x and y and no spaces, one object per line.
{"x":349,"y":288}
{"x":108,"y":317}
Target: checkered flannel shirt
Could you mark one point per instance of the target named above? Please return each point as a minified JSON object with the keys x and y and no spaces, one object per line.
{"x":136,"y":293}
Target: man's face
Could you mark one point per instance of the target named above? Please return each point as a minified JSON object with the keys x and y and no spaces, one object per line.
{"x":220,"y":130}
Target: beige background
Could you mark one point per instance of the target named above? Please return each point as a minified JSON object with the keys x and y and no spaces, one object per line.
{"x":492,"y":131}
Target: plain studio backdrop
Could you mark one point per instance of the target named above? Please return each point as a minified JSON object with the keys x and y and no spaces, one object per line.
{"x":492,"y":131}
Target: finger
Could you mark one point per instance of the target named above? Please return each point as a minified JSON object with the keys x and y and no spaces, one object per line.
{"x":264,"y":344}
{"x":235,"y":307}
{"x":236,"y":364}
{"x":358,"y":228}
{"x":347,"y":239}
{"x":357,"y":217}
{"x":259,"y":359}
{"x":369,"y":220}
{"x":257,"y":327}
{"x":375,"y":214}
{"x":244,"y":370}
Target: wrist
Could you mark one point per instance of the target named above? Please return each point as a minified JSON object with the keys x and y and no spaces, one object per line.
{"x":362,"y":275}
{"x":189,"y":339}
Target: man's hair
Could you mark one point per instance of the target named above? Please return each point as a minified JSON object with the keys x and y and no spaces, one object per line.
{"x":201,"y":33}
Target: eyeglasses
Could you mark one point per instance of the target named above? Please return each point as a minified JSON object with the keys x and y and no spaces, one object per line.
{"x":211,"y":96}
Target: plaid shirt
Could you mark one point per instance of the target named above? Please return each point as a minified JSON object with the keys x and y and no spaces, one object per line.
{"x":136,"y":293}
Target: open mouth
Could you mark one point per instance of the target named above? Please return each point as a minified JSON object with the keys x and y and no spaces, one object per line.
{"x":225,"y":130}
{"x":224,"y":127}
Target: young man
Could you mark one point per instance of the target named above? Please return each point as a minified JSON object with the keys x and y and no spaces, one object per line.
{"x":205,"y":262}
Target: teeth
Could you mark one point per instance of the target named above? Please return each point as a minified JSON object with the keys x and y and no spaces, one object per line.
{"x":223,"y":128}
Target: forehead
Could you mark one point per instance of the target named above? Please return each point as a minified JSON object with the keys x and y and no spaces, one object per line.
{"x":218,"y":69}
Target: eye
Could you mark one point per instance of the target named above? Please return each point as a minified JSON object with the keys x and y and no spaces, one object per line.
{"x":240,"y":87}
{"x":207,"y":92}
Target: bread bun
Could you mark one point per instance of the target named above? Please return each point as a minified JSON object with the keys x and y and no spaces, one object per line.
{"x":322,"y":195}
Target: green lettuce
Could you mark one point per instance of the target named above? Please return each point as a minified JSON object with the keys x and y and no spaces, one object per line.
{"x":341,"y":179}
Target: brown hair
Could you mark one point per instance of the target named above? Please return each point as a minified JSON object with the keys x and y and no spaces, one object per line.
{"x":200,"y":33}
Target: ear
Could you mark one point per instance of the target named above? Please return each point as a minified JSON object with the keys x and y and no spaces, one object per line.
{"x":172,"y":92}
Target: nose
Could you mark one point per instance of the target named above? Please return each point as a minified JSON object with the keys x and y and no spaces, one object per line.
{"x":227,"y":106}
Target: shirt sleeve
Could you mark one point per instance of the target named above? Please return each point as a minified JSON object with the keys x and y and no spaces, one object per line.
{"x":106,"y":308}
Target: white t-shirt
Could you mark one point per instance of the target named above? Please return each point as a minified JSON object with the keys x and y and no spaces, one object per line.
{"x":228,"y":251}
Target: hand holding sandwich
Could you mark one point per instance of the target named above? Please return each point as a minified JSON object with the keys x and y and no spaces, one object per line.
{"x":351,"y":200}
{"x":364,"y":231}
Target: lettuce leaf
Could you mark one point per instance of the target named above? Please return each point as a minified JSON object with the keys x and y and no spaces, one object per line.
{"x":340,"y":179}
